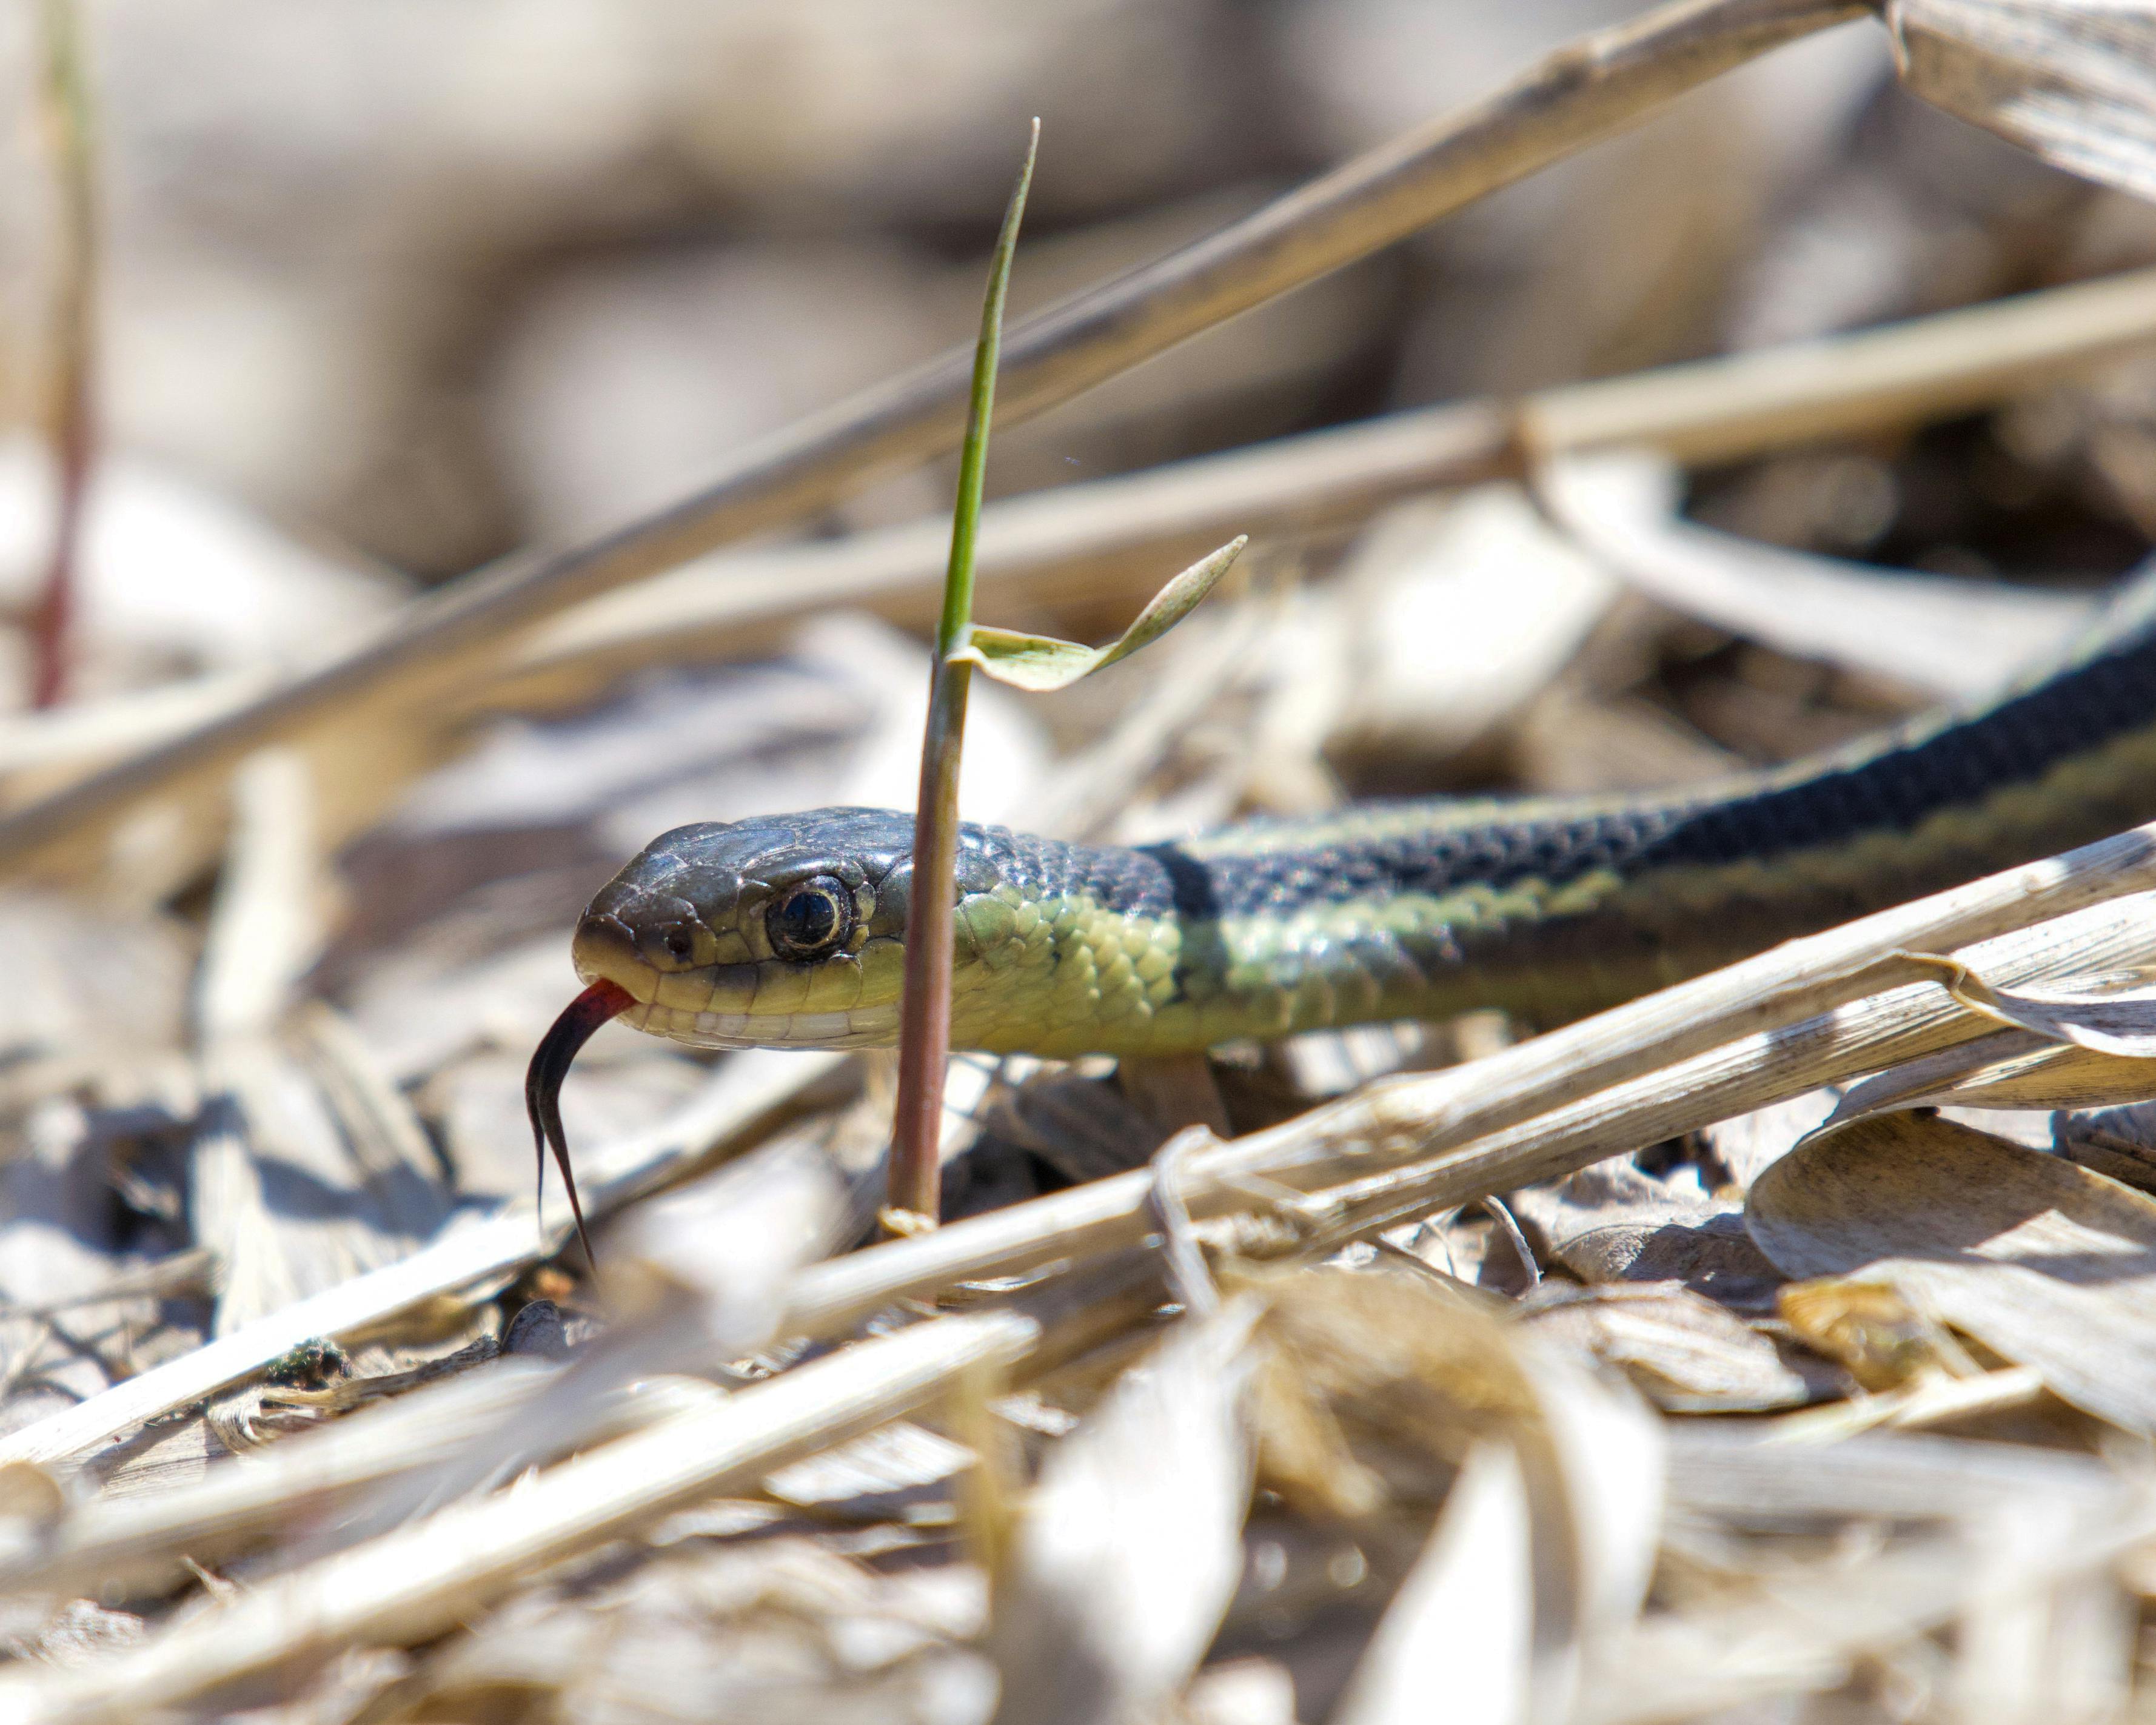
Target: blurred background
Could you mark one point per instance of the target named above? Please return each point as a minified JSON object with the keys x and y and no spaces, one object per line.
{"x":385,"y":291}
{"x":423,"y":283}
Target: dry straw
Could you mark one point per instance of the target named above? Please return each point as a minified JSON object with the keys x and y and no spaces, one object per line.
{"x":1942,"y":1271}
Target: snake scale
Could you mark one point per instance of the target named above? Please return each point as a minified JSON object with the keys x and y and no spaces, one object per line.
{"x":788,"y":931}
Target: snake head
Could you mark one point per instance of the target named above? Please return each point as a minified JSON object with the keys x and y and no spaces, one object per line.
{"x":782,"y":932}
{"x":785,"y":933}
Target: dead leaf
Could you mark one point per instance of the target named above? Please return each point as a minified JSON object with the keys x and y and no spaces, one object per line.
{"x":2073,"y":80}
{"x":1683,"y":1352}
{"x":1130,"y":1547}
{"x":1462,"y":1623}
{"x":2044,"y":1263}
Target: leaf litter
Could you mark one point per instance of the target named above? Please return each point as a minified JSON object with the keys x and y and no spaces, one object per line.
{"x":1779,"y":1342}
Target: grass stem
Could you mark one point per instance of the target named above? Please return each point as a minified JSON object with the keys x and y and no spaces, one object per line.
{"x":914,"y":1189}
{"x":70,"y":411}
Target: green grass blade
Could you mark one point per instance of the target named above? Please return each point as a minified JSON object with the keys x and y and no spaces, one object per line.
{"x":914,"y":1184}
{"x":974,"y":456}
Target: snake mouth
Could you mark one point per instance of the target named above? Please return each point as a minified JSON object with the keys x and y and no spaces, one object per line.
{"x":670,"y":1000}
{"x":579,"y":1022}
{"x":864,"y":1027}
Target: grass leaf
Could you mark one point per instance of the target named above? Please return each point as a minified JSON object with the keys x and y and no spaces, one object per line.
{"x":1041,"y":662}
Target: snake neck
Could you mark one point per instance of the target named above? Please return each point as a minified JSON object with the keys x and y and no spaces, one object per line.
{"x":1552,"y":908}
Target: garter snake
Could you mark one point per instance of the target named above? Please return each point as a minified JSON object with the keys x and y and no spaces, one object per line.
{"x":788,"y":931}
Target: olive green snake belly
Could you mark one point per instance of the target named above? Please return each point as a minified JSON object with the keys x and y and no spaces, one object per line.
{"x":788,"y":931}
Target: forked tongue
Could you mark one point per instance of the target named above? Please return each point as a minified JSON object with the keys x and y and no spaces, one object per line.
{"x":579,"y":1021}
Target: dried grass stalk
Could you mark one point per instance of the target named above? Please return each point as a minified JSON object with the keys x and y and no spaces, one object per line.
{"x":413,"y":1584}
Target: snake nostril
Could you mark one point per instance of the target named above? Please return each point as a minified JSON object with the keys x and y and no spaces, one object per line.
{"x":673,"y":945}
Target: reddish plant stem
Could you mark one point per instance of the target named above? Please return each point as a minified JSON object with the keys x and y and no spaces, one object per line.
{"x":52,"y":620}
{"x":915,"y":1176}
{"x":70,"y":410}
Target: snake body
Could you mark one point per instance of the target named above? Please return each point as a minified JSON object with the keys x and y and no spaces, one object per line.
{"x":789,"y":931}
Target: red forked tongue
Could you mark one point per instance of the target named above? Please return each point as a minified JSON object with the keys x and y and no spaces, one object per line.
{"x":542,"y":1086}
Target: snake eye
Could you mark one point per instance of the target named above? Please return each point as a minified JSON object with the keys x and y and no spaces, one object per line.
{"x":811,"y":919}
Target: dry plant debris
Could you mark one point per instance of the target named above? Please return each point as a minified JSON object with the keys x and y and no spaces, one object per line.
{"x":1776,"y":1346}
